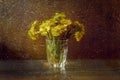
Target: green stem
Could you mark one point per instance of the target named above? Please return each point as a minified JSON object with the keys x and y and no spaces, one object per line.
{"x":56,"y":48}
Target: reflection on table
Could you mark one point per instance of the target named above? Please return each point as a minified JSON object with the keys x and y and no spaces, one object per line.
{"x":75,"y":70}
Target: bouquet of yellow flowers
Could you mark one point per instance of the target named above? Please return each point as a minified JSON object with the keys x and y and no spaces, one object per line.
{"x":57,"y":30}
{"x":57,"y":27}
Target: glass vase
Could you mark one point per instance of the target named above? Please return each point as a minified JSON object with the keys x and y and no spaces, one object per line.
{"x":56,"y":53}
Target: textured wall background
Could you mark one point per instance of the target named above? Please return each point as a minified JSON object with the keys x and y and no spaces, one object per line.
{"x":101,"y":18}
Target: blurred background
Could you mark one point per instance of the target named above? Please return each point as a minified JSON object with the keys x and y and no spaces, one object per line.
{"x":100,"y":17}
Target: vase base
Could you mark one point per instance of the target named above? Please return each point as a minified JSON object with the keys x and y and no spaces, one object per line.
{"x":57,"y":66}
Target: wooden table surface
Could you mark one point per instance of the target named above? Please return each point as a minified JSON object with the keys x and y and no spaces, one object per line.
{"x":75,"y":70}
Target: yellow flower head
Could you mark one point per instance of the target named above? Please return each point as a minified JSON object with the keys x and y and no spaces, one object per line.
{"x":44,"y":28}
{"x":80,"y":30}
{"x":78,"y":36}
{"x":33,"y":32}
{"x":58,"y":30}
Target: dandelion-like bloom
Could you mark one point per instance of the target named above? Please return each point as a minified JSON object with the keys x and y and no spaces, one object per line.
{"x":33,"y":32}
{"x":57,"y":27}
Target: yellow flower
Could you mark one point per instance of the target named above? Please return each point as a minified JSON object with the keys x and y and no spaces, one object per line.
{"x":58,"y":30}
{"x":44,"y":28}
{"x":80,"y":31}
{"x":33,"y":32}
{"x":78,"y":36}
{"x":65,"y":22}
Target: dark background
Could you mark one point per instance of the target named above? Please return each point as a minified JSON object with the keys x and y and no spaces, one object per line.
{"x":100,"y":17}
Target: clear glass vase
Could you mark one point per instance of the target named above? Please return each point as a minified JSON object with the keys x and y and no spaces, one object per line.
{"x":56,"y":53}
